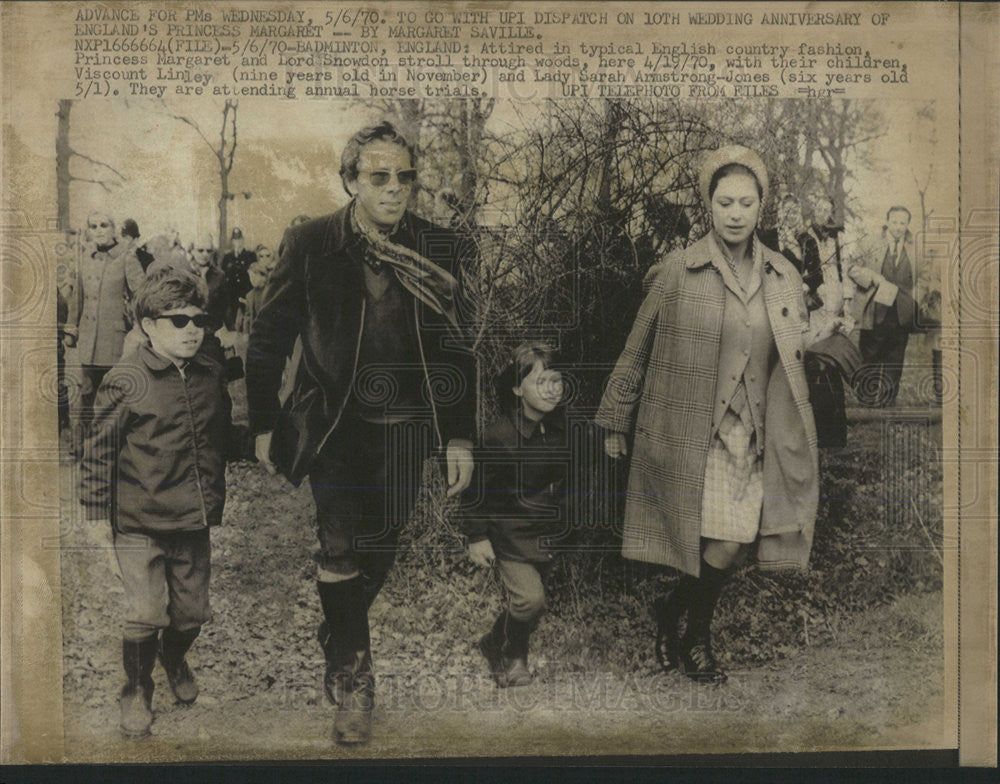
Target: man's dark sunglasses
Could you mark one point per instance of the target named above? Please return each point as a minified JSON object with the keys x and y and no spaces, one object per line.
{"x":382,"y":177}
{"x":180,"y":320}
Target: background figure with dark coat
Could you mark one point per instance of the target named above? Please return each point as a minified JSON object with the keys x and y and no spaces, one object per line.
{"x":370,"y":294}
{"x":524,"y":466}
{"x":109,"y":271}
{"x":235,"y":266}
{"x":791,"y":239}
{"x":886,"y":273}
{"x":815,"y":252}
{"x":130,"y":236}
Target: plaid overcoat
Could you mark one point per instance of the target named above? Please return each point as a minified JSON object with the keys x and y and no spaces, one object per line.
{"x":662,"y":390}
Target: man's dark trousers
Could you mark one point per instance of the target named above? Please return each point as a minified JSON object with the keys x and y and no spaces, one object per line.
{"x":365,"y":482}
{"x":883,"y":349}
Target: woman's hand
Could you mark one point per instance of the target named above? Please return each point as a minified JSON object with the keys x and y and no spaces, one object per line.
{"x":615,"y":445}
{"x":481,"y":553}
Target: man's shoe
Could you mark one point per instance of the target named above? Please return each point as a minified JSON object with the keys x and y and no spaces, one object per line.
{"x":353,"y":724}
{"x":491,"y":652}
{"x":334,"y":677}
{"x":173,"y":646}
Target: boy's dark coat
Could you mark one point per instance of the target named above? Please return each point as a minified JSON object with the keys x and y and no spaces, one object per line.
{"x":155,"y":461}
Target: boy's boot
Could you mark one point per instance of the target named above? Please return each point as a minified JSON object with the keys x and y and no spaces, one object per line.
{"x":349,"y":681}
{"x":136,"y":698}
{"x":491,"y":646}
{"x":173,"y":645}
{"x":515,"y":652}
{"x":697,"y":656}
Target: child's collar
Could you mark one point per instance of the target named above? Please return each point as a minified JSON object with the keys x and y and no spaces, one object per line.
{"x":527,"y":427}
{"x":156,"y":361}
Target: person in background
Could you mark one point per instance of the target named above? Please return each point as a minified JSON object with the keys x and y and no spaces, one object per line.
{"x":826,"y":231}
{"x":267,"y":258}
{"x":166,"y":249}
{"x":790,"y":238}
{"x":298,"y":220}
{"x":109,"y":271}
{"x":130,"y":235}
{"x":235,"y":266}
{"x":204,"y":266}
{"x":250,"y":304}
{"x":886,"y":271}
{"x":521,"y":495}
{"x":835,"y":359}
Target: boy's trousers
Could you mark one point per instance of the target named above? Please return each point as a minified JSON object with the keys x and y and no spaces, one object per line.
{"x":525,"y":584}
{"x":166,"y":581}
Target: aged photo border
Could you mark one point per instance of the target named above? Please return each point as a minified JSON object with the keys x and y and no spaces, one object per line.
{"x":30,"y":609}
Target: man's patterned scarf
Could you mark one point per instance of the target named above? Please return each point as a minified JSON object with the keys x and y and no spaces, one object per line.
{"x":431,"y":284}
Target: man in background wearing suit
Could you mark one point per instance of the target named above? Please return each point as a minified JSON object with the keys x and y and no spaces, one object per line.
{"x":886,"y":275}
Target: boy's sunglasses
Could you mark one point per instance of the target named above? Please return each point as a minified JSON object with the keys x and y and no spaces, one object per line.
{"x":380,"y":178}
{"x":180,"y":320}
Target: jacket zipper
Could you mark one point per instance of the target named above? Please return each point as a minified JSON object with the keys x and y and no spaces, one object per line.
{"x":194,"y":444}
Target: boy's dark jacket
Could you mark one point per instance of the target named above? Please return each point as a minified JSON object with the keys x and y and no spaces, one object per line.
{"x":317,"y":294}
{"x":519,"y":500}
{"x":155,"y":460}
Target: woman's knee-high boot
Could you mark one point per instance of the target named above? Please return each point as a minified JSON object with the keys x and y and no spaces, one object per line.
{"x":697,"y":656}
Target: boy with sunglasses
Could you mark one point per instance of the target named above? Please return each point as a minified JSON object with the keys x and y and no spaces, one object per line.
{"x":154,"y":469}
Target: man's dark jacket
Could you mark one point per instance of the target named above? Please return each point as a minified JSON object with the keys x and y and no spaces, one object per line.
{"x":317,"y":292}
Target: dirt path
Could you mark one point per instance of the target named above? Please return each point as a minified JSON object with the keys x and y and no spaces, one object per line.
{"x":871,"y":681}
{"x":866,"y":693}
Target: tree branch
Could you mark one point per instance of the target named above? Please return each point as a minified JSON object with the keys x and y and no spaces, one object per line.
{"x":102,"y":183}
{"x":188,"y":121}
{"x":97,"y":163}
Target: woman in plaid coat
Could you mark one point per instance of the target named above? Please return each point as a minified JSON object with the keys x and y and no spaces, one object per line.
{"x":711,"y":388}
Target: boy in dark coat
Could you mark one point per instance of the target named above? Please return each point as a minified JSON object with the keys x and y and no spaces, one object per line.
{"x":154,"y":467}
{"x":525,"y":463}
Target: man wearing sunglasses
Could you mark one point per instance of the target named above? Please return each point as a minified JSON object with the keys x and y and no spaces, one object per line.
{"x":371,"y":293}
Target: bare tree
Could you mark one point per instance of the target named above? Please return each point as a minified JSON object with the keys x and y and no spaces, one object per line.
{"x":809,"y":146}
{"x":65,"y":154}
{"x":224,"y":151}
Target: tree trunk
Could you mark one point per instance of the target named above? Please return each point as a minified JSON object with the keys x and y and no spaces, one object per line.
{"x":63,"y":153}
{"x":223,"y":203}
{"x":608,"y":140}
{"x":472,"y":116}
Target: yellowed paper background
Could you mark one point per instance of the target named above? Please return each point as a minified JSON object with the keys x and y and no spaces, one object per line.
{"x":943,"y":53}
